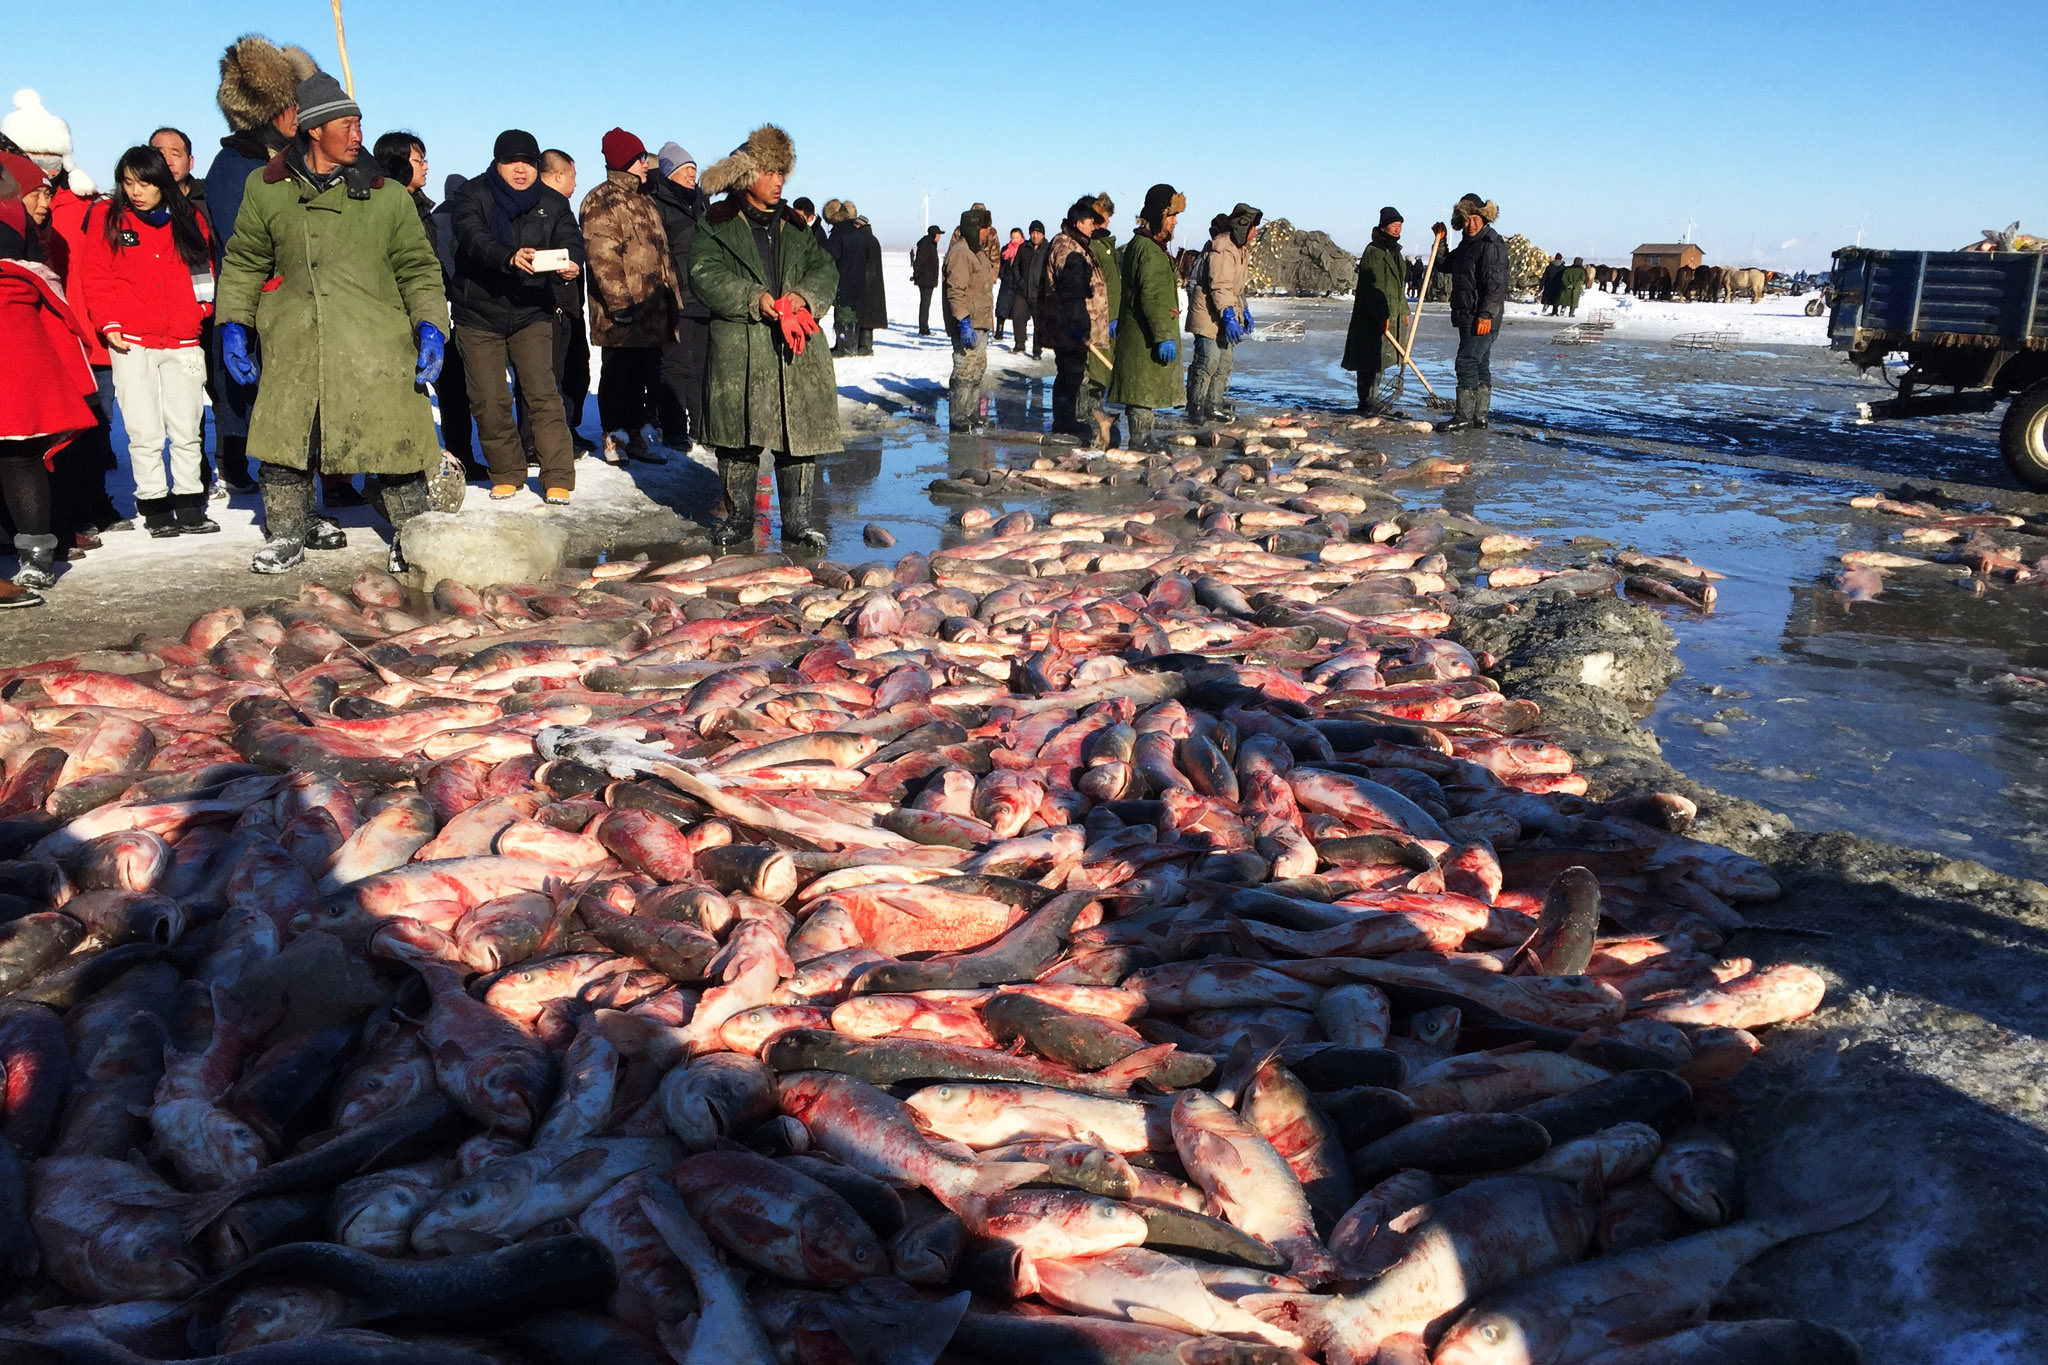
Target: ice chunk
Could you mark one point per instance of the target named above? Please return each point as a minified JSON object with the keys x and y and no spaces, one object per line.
{"x":483,"y":547}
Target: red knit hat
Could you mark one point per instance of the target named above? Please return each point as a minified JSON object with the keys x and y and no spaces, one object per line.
{"x":27,"y":175}
{"x":622,"y":149}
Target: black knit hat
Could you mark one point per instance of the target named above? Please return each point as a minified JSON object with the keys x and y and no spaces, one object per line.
{"x":1038,"y":226}
{"x":516,"y":144}
{"x":1161,"y":201}
{"x":1390,"y":216}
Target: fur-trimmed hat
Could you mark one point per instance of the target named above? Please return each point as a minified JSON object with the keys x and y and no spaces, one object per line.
{"x":766,"y":149}
{"x":1161,"y":203}
{"x":260,"y":80}
{"x":1471,"y":204}
{"x":1105,"y":206}
{"x":972,"y":221}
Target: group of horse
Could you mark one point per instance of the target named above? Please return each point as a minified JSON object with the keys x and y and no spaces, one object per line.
{"x":1693,"y":284}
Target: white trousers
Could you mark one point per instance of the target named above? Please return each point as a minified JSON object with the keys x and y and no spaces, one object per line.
{"x":163,"y":397}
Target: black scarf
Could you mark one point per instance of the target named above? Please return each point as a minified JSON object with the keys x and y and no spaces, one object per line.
{"x":509,"y":205}
{"x":1384,"y":242}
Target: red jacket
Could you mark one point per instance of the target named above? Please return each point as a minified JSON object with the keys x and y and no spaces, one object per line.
{"x":143,"y":291}
{"x":42,"y":353}
{"x":67,"y":218}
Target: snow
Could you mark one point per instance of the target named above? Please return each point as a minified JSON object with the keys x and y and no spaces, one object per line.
{"x":1780,"y":320}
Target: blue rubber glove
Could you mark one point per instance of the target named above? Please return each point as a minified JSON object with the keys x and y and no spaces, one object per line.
{"x":1112,"y":329}
{"x":234,"y":353}
{"x":964,"y":330}
{"x":1232,"y":331}
{"x":1166,"y":351}
{"x":432,"y":344}
{"x":1246,"y":312}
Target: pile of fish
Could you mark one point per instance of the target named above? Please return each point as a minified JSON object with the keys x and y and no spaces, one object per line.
{"x":1118,"y":939}
{"x":1945,"y":539}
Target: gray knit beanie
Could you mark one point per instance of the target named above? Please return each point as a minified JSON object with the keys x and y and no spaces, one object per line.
{"x":673,"y":158}
{"x":322,"y":100}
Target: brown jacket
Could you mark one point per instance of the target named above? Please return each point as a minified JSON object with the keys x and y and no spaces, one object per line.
{"x":970,"y":288}
{"x":1218,"y":285}
{"x":632,"y":276}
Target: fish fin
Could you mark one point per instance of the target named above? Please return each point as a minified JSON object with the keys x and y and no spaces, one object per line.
{"x":583,"y":1163}
{"x":749,"y":1227}
{"x":1244,"y":941}
{"x":1159,"y":1317}
{"x":1806,"y":1220}
{"x":989,"y":1180}
{"x":1136,"y":1067}
{"x":201,"y":1211}
{"x":1629,"y":1320}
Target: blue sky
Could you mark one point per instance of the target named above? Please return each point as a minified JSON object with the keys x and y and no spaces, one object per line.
{"x":1777,"y":130}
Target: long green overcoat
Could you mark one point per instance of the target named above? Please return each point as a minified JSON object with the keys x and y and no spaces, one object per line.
{"x":1379,"y":310}
{"x":356,"y":277}
{"x":1150,"y":314}
{"x":1572,"y":286}
{"x":757,"y":392}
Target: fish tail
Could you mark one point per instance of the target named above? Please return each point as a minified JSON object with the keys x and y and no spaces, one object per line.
{"x":1121,"y":1075}
{"x":969,"y":1198}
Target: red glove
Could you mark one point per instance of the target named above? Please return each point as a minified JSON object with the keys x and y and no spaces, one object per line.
{"x":1483,"y":326}
{"x":792,"y":330}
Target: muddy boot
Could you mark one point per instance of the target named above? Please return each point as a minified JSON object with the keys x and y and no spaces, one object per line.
{"x":1467,"y":416}
{"x":404,"y":498}
{"x":188,"y":513}
{"x":287,"y":516}
{"x":1482,"y":406}
{"x":38,"y":556}
{"x":1140,"y":423}
{"x":796,"y":486}
{"x":740,"y":475}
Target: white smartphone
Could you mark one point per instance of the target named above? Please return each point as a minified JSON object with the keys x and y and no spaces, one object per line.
{"x":554,"y":258}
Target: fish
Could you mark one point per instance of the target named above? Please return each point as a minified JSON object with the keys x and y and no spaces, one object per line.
{"x":778,"y":1220}
{"x":726,"y":1329}
{"x":1249,"y":1183}
{"x":515,"y":1195}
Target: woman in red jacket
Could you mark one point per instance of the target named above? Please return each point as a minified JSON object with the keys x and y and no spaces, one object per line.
{"x":147,"y":265}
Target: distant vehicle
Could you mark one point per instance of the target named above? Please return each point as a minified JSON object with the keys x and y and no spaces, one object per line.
{"x":1972,"y":322}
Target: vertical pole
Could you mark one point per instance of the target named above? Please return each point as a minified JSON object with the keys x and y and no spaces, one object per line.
{"x":348,"y":79}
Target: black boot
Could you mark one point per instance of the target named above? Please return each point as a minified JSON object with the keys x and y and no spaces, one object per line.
{"x":157,"y":517}
{"x":1482,"y":407}
{"x":404,"y":498}
{"x":287,"y":514}
{"x":188,"y":512}
{"x":796,"y":486}
{"x":866,"y":344}
{"x":38,"y":556}
{"x":1467,"y":416}
{"x":739,"y":472}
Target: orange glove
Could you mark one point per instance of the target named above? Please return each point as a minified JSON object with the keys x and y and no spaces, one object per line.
{"x":790,"y":320}
{"x":1387,"y":325}
{"x":1483,"y":327}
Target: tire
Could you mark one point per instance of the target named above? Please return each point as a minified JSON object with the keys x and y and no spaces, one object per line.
{"x":2023,"y":437}
{"x":1814,"y":308}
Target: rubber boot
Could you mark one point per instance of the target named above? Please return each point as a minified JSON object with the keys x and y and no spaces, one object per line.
{"x":38,"y":556}
{"x":1139,"y":422}
{"x":157,"y":518}
{"x":188,"y":512}
{"x":287,"y":514}
{"x":739,"y":474}
{"x":1467,"y":416}
{"x":1482,"y":406}
{"x":867,"y":342}
{"x":404,"y":498}
{"x":796,"y":486}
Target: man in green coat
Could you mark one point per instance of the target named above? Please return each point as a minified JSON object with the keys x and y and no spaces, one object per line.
{"x":768,"y":386}
{"x":1379,"y":311}
{"x":1148,"y":375}
{"x":350,"y":336}
{"x":1572,"y":286}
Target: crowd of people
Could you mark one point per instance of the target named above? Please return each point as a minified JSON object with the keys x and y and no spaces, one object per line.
{"x":309,"y":292}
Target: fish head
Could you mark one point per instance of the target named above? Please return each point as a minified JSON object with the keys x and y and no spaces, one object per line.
{"x":514,"y":1087}
{"x":343,"y":917}
{"x":1519,"y":1334}
{"x":839,"y":1247}
{"x":370,"y":1224}
{"x":468,"y":1216}
{"x":271,"y":1313}
{"x":143,"y":1256}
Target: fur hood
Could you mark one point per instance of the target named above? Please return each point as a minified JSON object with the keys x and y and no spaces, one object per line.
{"x":840,"y":211}
{"x":260,"y":80}
{"x":767,"y":148}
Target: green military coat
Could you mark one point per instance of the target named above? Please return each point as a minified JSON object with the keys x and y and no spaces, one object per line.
{"x":1379,"y":310}
{"x":356,"y":277}
{"x":1571,"y":285}
{"x":757,"y":392}
{"x":1150,"y":313}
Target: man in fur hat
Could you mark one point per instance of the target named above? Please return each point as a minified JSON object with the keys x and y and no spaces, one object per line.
{"x":847,"y":245}
{"x":970,"y":315}
{"x":1075,"y":304}
{"x":1148,"y":365}
{"x":350,"y":337}
{"x":1479,"y":298}
{"x":1379,"y":310}
{"x":259,"y":97}
{"x":1217,"y":313}
{"x":769,"y":386}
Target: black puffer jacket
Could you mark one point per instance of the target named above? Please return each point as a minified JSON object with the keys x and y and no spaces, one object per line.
{"x":680,"y":207}
{"x":1479,"y":278}
{"x":487,"y":292}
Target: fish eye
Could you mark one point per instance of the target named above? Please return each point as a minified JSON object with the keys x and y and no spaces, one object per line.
{"x":862,"y":1255}
{"x":945,"y":1092}
{"x":1490,"y":1333}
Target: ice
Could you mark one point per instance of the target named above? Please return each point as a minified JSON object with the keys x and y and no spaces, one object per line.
{"x":482,"y":546}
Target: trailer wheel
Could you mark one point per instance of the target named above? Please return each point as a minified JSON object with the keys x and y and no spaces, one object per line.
{"x":2023,"y":439}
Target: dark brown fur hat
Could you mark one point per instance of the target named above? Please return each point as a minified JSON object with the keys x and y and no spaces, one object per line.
{"x":767,"y":148}
{"x":260,"y":80}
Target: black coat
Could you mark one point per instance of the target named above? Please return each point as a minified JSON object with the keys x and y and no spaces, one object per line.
{"x":1029,"y":270}
{"x":240,"y":153}
{"x":848,"y":248}
{"x":874,"y":300}
{"x":488,"y":293}
{"x":924,"y":263}
{"x":681,"y":208}
{"x":1552,"y":283}
{"x":1479,"y":278}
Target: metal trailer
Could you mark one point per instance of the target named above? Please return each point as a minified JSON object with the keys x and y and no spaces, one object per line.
{"x":1973,"y":323}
